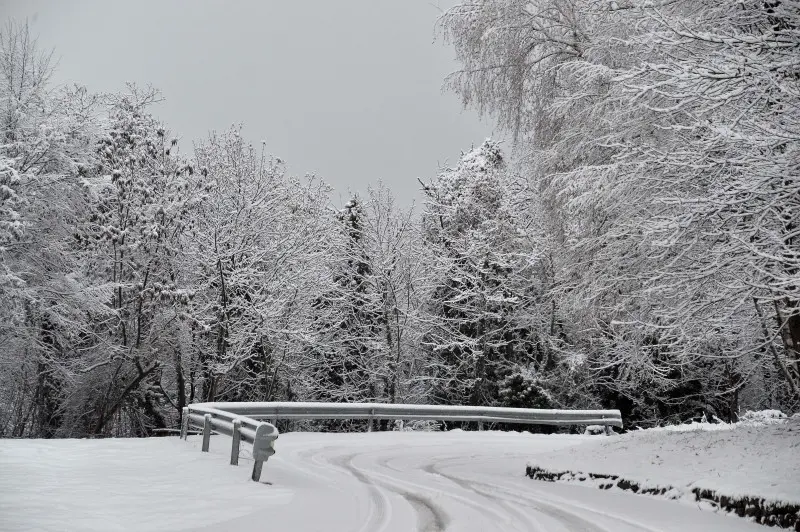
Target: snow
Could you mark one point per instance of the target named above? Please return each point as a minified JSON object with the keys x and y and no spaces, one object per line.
{"x":392,"y":481}
{"x":759,"y":456}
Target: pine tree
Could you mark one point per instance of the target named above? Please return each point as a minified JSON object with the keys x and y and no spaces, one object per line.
{"x":479,"y":333}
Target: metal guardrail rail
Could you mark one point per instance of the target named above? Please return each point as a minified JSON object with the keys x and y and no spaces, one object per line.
{"x":239,"y":427}
{"x":243,"y":421}
{"x":277,"y":410}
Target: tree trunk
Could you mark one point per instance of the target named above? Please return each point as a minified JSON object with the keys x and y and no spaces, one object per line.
{"x":104,"y":418}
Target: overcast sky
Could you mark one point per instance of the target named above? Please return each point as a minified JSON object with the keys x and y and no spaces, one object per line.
{"x":347,"y":89}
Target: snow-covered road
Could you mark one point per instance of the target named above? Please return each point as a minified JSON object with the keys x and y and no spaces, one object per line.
{"x":349,"y":482}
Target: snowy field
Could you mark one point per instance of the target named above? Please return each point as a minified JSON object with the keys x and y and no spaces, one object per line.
{"x":757,"y":457}
{"x":470,"y":481}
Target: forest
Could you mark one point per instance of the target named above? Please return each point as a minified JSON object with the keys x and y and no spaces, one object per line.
{"x":634,"y":245}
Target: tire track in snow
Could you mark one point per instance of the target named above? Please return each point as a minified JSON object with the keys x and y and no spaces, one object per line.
{"x":482,"y":506}
{"x":429,"y":517}
{"x":563,"y":510}
{"x":380,"y":508}
{"x":524,"y":518}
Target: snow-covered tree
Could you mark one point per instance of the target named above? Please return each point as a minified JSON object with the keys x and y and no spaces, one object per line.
{"x":144,"y":197}
{"x":350,"y":349}
{"x":47,"y":305}
{"x":659,"y":138}
{"x":724,"y":88}
{"x":482,"y":329}
{"x":257,"y":252}
{"x":401,"y":273}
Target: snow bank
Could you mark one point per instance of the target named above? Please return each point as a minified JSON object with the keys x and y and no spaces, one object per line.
{"x":757,"y":459}
{"x":123,"y":484}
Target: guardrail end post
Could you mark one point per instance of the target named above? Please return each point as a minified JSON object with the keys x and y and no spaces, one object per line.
{"x":206,"y":432}
{"x":237,"y":438}
{"x":185,"y":423}
{"x":257,"y":466}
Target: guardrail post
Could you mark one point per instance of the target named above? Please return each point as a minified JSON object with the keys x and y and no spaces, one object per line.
{"x":185,"y":423}
{"x":606,"y":426}
{"x":206,"y":432}
{"x":371,"y":417}
{"x":480,"y":425}
{"x":257,"y":466}
{"x":237,"y":438}
{"x":263,"y":447}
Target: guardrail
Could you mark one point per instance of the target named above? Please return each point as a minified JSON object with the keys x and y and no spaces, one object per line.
{"x":242,"y":421}
{"x":239,"y":427}
{"x":373,"y":411}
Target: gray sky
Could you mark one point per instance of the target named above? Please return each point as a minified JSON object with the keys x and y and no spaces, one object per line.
{"x":347,"y":89}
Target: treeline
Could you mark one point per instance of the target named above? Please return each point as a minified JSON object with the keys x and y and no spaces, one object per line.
{"x":637,"y":245}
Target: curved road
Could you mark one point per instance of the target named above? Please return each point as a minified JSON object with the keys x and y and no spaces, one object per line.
{"x":455,"y":481}
{"x":460,"y":481}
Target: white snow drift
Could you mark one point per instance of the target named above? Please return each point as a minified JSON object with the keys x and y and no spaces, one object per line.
{"x":757,"y":457}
